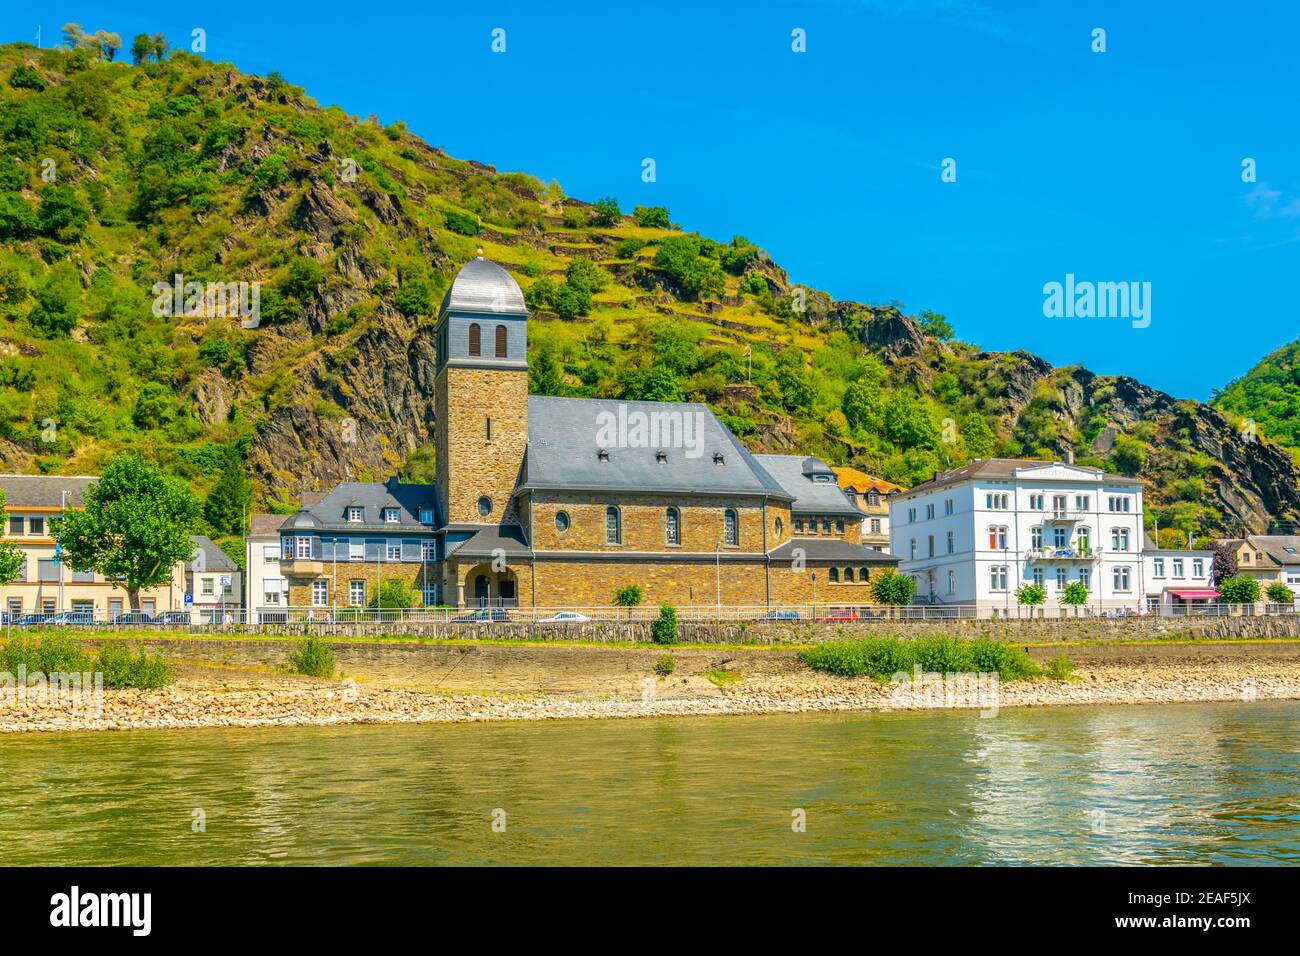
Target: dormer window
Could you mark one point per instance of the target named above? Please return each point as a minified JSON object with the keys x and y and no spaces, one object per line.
{"x":718,"y":459}
{"x":602,"y":454}
{"x":661,"y":457}
{"x":822,"y":479}
{"x":426,"y":516}
{"x":355,"y":514}
{"x":390,"y":515}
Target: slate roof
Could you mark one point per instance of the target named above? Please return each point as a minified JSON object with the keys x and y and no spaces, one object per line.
{"x":799,"y":474}
{"x":1006,"y":468}
{"x":261,"y":526}
{"x":563,"y":452}
{"x":45,"y":491}
{"x":831,"y":549}
{"x":208,"y":557}
{"x":488,"y":539}
{"x":330,"y":513}
{"x":1275,"y":545}
{"x":483,"y":286}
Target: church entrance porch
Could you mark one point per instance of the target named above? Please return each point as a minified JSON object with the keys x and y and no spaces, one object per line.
{"x":481,"y":586}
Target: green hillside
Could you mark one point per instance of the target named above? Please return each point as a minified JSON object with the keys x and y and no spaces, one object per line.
{"x":1269,"y":395}
{"x":115,"y":177}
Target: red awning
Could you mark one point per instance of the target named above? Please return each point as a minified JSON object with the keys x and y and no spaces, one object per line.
{"x":1201,"y":594}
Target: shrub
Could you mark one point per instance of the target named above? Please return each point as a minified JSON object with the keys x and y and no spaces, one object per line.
{"x":882,"y":658}
{"x":665,"y":666}
{"x":460,"y":222}
{"x":53,"y":652}
{"x":121,"y":668}
{"x":313,"y":658}
{"x":1031,"y":594}
{"x":1076,"y":593}
{"x":890,"y":587}
{"x":605,"y":212}
{"x":24,"y":77}
{"x":664,"y":628}
{"x":1060,"y":668}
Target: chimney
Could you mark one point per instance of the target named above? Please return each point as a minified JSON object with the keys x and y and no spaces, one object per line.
{"x":1069,"y":456}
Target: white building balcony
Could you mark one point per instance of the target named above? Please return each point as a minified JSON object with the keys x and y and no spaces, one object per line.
{"x":1063,"y":554}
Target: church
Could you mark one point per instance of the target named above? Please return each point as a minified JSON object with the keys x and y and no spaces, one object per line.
{"x":560,"y":502}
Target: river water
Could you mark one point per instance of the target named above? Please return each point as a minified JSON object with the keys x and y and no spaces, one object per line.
{"x":1155,"y":784}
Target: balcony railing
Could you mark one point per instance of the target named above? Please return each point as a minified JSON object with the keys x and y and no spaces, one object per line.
{"x":1064,"y":514}
{"x":1063,"y":554}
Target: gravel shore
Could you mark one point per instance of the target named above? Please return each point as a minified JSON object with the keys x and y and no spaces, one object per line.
{"x":204,"y":697}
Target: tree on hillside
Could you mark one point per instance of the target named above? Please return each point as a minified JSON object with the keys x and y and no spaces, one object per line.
{"x":605,"y":212}
{"x":134,"y":528}
{"x":230,"y":497}
{"x":936,"y":324}
{"x":11,"y":556}
{"x":145,"y":46}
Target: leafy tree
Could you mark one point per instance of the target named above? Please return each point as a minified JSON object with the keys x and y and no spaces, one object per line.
{"x":230,"y":497}
{"x":1279,"y":593}
{"x":571,"y":300}
{"x":58,"y":302}
{"x":11,"y":556}
{"x":935,"y":324}
{"x":908,"y":423}
{"x":545,"y":373}
{"x":17,"y":218}
{"x":738,"y":255}
{"x":655,"y":384}
{"x":664,"y":628}
{"x":141,"y":48}
{"x":863,"y":405}
{"x":393,"y":593}
{"x":890,"y":587}
{"x":1225,"y":561}
{"x":977,"y":436}
{"x":652,"y":217}
{"x":582,"y":273}
{"x":1075,"y":593}
{"x":794,"y":380}
{"x":1031,"y":594}
{"x":605,"y":212}
{"x":135,"y":526}
{"x":304,"y":278}
{"x":1241,"y":589}
{"x":628,"y":596}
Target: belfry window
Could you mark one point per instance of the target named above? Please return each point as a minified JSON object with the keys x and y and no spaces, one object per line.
{"x":730,"y":528}
{"x":613,"y":526}
{"x":475,"y":339}
{"x":501,"y":341}
{"x":674,"y":526}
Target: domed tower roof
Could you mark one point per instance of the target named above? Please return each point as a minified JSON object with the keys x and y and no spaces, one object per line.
{"x":483,"y":286}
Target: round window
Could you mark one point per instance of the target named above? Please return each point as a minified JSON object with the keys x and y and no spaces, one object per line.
{"x":485,"y":506}
{"x":561,"y":521}
{"x":779,"y":526}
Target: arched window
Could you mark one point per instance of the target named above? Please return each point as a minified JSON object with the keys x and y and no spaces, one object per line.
{"x":673,"y":526}
{"x":501,"y":341}
{"x":475,"y":339}
{"x":613,"y":526}
{"x":848,"y":574}
{"x":779,"y":527}
{"x":864,"y":573}
{"x":834,"y":575}
{"x":730,"y":528}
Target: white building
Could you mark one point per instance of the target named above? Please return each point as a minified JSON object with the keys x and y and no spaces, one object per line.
{"x":267,"y":592}
{"x":213,"y":583}
{"x":974,"y":535}
{"x":1176,"y":579}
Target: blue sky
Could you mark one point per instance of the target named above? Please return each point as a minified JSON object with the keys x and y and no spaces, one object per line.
{"x":1115,"y":166}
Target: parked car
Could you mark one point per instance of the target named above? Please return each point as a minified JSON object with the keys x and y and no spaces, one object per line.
{"x":781,"y":614}
{"x":486,"y":615}
{"x":135,"y":617}
{"x":72,"y":619}
{"x":565,"y":617}
{"x":839,"y":614}
{"x":173,"y":617}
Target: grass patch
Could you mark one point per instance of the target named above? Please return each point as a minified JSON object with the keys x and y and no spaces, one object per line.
{"x":883,"y":657}
{"x":52,"y":652}
{"x":721,"y":678}
{"x":665,"y":666}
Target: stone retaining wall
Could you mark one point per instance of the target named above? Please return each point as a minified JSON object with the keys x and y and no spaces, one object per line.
{"x":603,"y":632}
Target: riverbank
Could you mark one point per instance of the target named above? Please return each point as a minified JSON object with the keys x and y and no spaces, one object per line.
{"x":456,"y":683}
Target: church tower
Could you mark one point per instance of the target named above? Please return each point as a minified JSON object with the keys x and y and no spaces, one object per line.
{"x":481,"y":394}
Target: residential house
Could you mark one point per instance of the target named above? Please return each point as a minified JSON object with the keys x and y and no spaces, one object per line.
{"x":973,"y":535}
{"x":213,"y":582}
{"x":1269,"y":558}
{"x":871,"y":496}
{"x":1176,"y":580}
